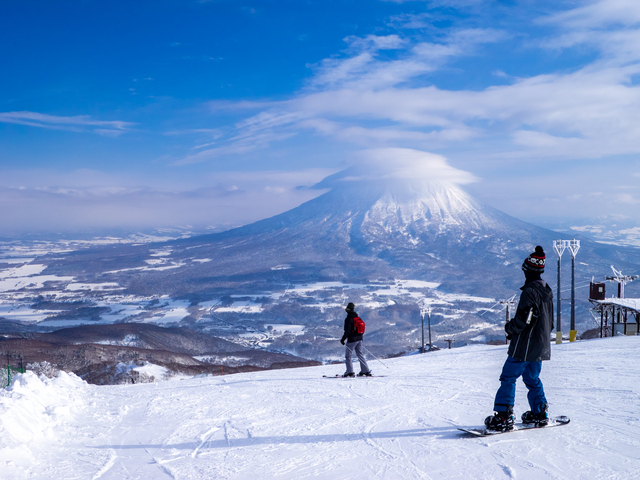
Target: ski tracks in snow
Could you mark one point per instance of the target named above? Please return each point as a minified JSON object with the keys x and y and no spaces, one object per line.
{"x":387,"y":455}
{"x":510,"y":472}
{"x":205,"y":438}
{"x":110,"y":462}
{"x":125,"y":434}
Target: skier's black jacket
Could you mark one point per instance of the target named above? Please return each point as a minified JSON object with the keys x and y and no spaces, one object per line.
{"x":532,"y":342}
{"x":349,"y":334}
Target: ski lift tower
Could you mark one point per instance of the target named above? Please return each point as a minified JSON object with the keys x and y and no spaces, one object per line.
{"x":425,"y":309}
{"x":509,"y":303}
{"x":574,"y":246}
{"x":621,"y":280}
{"x":559,"y":246}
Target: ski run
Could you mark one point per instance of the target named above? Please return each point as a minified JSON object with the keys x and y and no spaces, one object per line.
{"x":293,"y":424}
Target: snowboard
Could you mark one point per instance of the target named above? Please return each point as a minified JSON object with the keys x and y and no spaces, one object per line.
{"x":340,"y":376}
{"x":483,"y":432}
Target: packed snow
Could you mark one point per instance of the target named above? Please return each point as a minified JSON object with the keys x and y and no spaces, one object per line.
{"x":295,"y":424}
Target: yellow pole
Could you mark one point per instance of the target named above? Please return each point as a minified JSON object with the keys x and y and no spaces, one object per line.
{"x":572,"y":335}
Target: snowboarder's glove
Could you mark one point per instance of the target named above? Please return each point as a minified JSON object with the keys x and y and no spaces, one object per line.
{"x":342,"y":341}
{"x":507,"y":330}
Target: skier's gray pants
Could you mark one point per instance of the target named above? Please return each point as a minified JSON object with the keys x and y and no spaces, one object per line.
{"x":357,"y":346}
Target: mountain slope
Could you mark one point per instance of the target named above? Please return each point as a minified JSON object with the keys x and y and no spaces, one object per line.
{"x":143,"y":336}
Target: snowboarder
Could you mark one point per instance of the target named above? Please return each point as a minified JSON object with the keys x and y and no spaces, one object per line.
{"x":530,"y":334}
{"x":354,"y":342}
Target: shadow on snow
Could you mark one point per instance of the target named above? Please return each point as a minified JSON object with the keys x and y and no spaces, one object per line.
{"x":439,"y":432}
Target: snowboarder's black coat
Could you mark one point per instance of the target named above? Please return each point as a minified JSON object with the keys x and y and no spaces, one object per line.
{"x":349,"y":334}
{"x":532,"y":342}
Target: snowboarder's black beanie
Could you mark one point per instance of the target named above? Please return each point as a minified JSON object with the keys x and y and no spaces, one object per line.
{"x":534,"y":263}
{"x":350,"y":307}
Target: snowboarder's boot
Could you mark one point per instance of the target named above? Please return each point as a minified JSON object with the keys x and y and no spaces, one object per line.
{"x":349,"y":374}
{"x":365,"y":374}
{"x":541,"y":418}
{"x":501,"y":421}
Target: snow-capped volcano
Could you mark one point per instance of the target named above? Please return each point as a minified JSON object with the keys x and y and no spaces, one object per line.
{"x":395,"y":203}
{"x":372,"y":222}
{"x":426,"y":205}
{"x":410,"y":213}
{"x":365,"y":227}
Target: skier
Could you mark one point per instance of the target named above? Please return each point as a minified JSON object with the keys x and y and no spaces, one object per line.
{"x":354,"y":342}
{"x":530,"y":335}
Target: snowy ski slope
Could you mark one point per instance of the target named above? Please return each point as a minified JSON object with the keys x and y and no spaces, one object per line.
{"x":294,"y":424}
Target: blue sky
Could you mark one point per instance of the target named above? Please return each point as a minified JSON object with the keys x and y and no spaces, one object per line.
{"x":149,"y":114}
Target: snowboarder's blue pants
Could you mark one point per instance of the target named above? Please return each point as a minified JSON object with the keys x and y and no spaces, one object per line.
{"x":530,"y":372}
{"x":357,"y":346}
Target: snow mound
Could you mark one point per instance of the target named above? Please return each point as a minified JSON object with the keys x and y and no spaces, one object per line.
{"x":32,"y":409}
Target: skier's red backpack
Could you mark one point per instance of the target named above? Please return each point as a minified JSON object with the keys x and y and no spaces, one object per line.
{"x":358,"y":325}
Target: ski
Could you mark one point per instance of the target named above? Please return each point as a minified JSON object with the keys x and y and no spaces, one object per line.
{"x":364,"y":376}
{"x":483,"y":432}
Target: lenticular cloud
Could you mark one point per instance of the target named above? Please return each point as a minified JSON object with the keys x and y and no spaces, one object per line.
{"x":408,"y":164}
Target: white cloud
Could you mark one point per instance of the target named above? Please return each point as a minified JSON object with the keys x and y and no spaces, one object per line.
{"x":76,"y":123}
{"x":244,"y":142}
{"x":363,"y":69}
{"x":376,"y":42}
{"x":408,"y":164}
{"x":593,"y":112}
{"x":334,"y":71}
{"x":383,"y":136}
{"x":628,"y":198}
{"x":412,"y":20}
{"x":611,"y":27}
{"x":85,"y":200}
{"x":599,"y":14}
{"x":209,"y":132}
{"x":363,"y":98}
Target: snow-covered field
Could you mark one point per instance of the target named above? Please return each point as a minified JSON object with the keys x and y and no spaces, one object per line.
{"x":294,"y":424}
{"x":21,"y":281}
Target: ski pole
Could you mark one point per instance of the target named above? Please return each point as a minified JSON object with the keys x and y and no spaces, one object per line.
{"x":365,"y":349}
